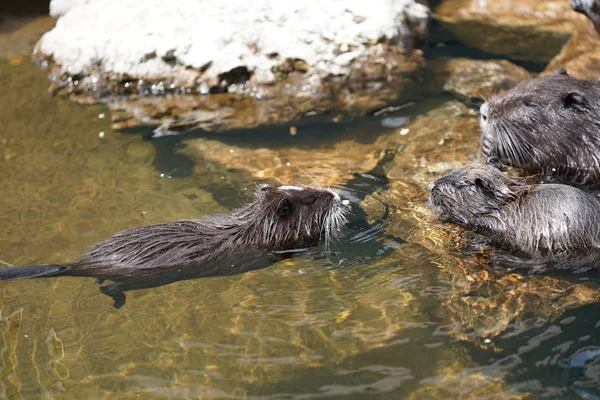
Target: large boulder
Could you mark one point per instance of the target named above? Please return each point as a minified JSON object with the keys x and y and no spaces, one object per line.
{"x":260,"y":49}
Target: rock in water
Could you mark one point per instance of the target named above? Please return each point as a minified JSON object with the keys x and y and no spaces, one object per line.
{"x":210,"y":46}
{"x":158,"y":39}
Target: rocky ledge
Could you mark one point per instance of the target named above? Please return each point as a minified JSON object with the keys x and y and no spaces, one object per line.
{"x":314,"y":56}
{"x":549,"y":31}
{"x":530,"y":30}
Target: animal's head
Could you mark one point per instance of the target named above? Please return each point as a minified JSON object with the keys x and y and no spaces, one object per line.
{"x":547,"y":124}
{"x":469,"y":194}
{"x":289,"y":217}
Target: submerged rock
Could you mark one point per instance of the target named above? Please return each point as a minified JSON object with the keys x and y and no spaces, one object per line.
{"x":248,"y":106}
{"x":258,"y":49}
{"x":521,"y":29}
{"x":437,"y":142}
{"x":442,"y":140}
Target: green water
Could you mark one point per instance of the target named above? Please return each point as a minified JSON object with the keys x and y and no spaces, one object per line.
{"x":65,"y":188}
{"x":406,"y":316}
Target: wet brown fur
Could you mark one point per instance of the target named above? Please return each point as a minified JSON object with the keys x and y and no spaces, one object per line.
{"x":279,"y":219}
{"x":548,"y":126}
{"x":537,"y":219}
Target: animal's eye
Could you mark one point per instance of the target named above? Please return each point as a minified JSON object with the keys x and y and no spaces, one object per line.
{"x":284,"y":208}
{"x":494,"y":161}
{"x":574,"y":100}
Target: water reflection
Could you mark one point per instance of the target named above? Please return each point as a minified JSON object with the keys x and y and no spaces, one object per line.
{"x":556,"y":358}
{"x":398,"y":310}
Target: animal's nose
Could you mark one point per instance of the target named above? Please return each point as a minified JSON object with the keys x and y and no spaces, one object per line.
{"x":430,"y":186}
{"x":483,"y":111}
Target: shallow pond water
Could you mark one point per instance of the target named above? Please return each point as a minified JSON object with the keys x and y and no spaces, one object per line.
{"x":401,"y":314}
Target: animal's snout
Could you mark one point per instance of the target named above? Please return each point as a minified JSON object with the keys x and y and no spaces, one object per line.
{"x":430,"y":187}
{"x":347,"y":198}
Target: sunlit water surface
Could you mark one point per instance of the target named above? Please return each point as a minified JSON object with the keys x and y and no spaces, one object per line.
{"x":386,"y":314}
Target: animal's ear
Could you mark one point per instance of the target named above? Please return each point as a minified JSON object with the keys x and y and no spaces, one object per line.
{"x":574,"y":100}
{"x":284,"y":209}
{"x":561,"y":71}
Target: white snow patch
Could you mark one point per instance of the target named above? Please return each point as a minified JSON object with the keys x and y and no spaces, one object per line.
{"x":121,"y":36}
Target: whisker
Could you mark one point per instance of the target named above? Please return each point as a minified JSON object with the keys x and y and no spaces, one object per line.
{"x":5,"y":263}
{"x":313,"y":179}
{"x":298,"y":182}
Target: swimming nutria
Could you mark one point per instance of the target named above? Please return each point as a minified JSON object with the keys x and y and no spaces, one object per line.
{"x":537,"y":219}
{"x":548,"y":126}
{"x":589,"y":8}
{"x":280,"y":218}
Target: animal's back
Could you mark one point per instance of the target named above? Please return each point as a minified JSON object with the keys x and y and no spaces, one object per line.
{"x":555,"y":217}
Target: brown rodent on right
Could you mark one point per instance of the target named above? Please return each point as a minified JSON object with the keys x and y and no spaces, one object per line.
{"x":541,"y":220}
{"x":548,"y":126}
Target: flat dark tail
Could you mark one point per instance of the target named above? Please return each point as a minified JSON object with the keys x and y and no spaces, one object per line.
{"x":34,"y":271}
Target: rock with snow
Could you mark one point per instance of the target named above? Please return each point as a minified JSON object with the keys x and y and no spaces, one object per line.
{"x":158,"y":46}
